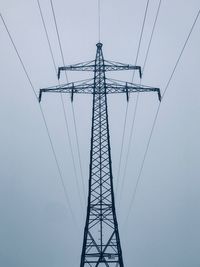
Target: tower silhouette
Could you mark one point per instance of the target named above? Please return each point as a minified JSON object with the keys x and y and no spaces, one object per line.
{"x":101,"y":241}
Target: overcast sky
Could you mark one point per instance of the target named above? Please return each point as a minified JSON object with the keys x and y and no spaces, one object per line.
{"x":36,"y":227}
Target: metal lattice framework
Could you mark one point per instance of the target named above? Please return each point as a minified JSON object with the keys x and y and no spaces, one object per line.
{"x":101,"y":242}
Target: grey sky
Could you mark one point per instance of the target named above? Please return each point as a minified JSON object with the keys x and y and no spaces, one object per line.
{"x":36,"y":228}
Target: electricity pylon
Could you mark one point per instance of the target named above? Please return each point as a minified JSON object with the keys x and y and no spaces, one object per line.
{"x":101,"y":242}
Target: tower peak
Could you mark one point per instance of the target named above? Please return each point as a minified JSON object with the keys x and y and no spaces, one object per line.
{"x":99,"y":45}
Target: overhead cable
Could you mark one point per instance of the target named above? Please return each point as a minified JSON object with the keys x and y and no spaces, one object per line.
{"x":99,"y":19}
{"x":73,"y":112}
{"x":157,"y":113}
{"x":151,"y":37}
{"x":141,"y":35}
{"x":125,"y":120}
{"x":137,"y":98}
{"x":63,"y":107}
{"x":44,"y":119}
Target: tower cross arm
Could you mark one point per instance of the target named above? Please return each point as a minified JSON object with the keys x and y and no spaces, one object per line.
{"x":84,"y":66}
{"x":84,"y":87}
{"x":115,"y":86}
{"x":91,"y":66}
{"x":116,"y":66}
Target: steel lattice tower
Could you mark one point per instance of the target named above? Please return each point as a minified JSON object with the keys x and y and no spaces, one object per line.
{"x":101,"y":242}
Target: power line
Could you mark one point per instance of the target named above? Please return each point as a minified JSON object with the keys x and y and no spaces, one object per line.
{"x":58,"y":36}
{"x":18,"y":55}
{"x":73,"y":113}
{"x":125,"y":120}
{"x":99,"y":20}
{"x":43,"y":117}
{"x":141,"y":35}
{"x":137,"y":99}
{"x":151,"y":37}
{"x":156,"y":116}
{"x":62,"y":101}
{"x":129,"y":146}
{"x":71,"y":149}
{"x":47,"y":36}
{"x":121,"y":150}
